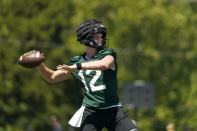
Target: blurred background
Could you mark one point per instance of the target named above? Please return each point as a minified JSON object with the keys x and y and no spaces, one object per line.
{"x":156,"y":45}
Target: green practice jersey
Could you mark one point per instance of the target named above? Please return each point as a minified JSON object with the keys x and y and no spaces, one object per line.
{"x":100,"y":86}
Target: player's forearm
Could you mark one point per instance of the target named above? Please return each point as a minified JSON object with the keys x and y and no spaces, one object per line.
{"x":92,"y":65}
{"x":45,"y":72}
{"x":103,"y":64}
{"x":53,"y":76}
{"x":95,"y":65}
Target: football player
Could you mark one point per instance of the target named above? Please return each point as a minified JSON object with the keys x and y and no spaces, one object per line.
{"x":96,"y":70}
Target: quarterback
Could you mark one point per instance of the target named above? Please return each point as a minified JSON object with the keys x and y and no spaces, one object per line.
{"x":96,"y":71}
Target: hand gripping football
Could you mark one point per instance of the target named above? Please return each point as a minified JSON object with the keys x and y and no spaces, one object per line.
{"x":31,"y":59}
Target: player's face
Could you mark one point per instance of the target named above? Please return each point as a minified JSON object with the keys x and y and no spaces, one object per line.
{"x":98,"y":38}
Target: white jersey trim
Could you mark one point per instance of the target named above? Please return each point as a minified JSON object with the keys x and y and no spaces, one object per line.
{"x":75,"y":121}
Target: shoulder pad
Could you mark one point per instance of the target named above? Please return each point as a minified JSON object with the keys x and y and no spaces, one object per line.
{"x":74,"y":60}
{"x":108,"y":51}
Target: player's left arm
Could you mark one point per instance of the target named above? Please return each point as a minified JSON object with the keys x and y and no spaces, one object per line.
{"x":103,"y":64}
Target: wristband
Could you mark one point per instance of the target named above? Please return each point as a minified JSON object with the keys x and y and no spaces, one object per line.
{"x":79,"y":67}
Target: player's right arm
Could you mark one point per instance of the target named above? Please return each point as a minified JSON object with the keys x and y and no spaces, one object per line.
{"x":53,"y":76}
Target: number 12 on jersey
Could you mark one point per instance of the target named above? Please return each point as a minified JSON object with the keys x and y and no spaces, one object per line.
{"x":91,"y":83}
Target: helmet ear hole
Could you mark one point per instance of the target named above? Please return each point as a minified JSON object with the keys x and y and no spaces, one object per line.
{"x":86,"y":30}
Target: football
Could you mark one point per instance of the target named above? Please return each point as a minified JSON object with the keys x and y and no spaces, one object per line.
{"x":31,"y":59}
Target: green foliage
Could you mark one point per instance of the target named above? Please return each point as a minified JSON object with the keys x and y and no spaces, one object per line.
{"x":155,"y":41}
